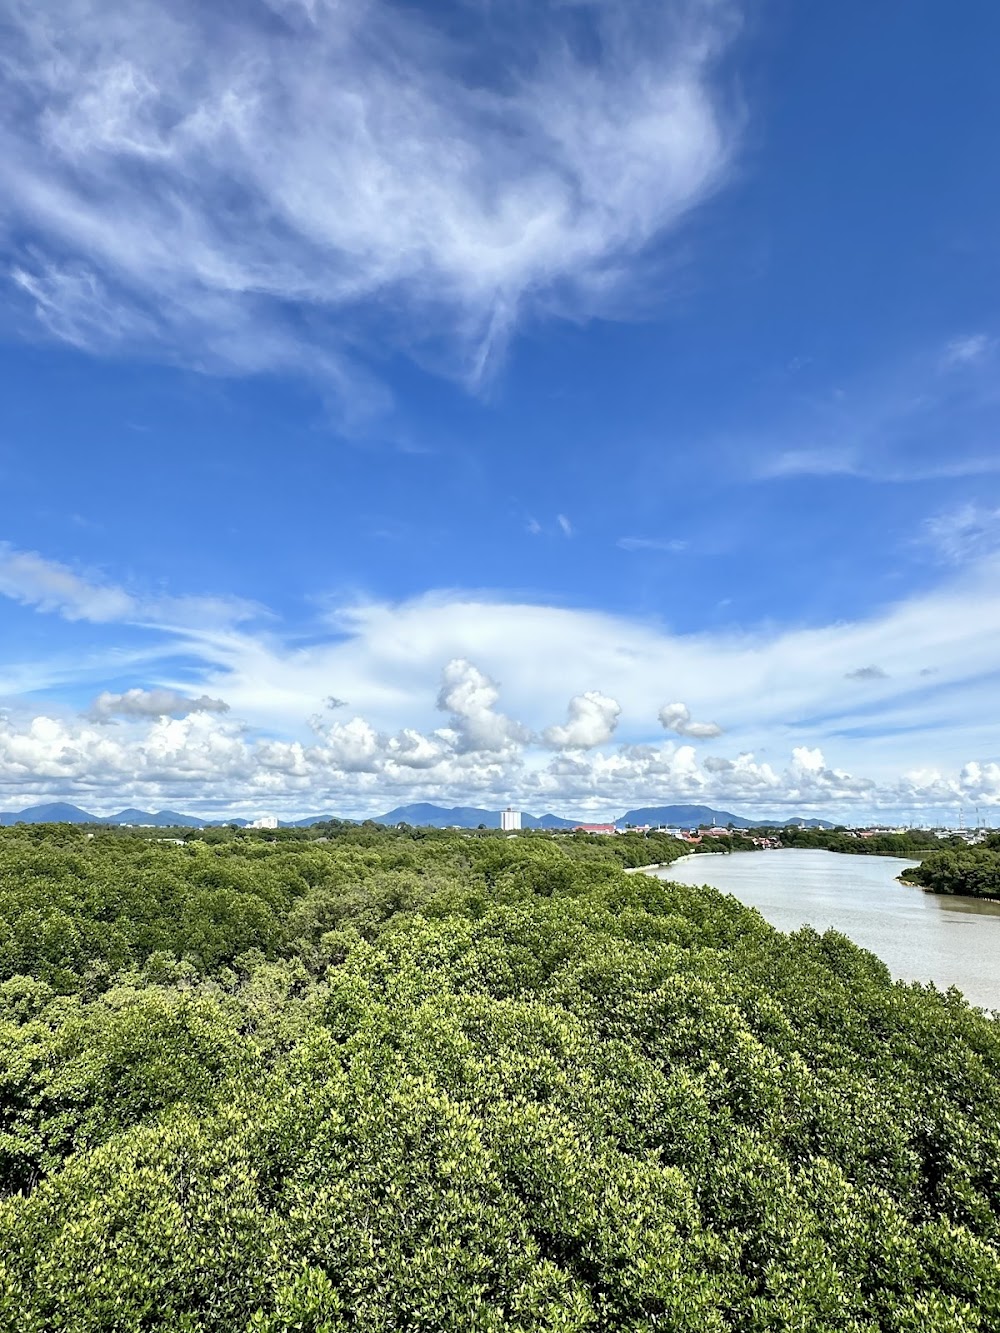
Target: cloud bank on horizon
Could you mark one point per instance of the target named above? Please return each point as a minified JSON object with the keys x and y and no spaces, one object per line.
{"x":416,"y":715}
{"x":561,"y":404}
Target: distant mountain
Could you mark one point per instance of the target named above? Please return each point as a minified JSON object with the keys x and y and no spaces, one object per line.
{"x":56,"y":813}
{"x":309,"y":820}
{"x":436,"y":816}
{"x":683,"y":816}
{"x":161,"y":819}
{"x":61,"y":813}
{"x":422,"y":814}
{"x":690,"y":816}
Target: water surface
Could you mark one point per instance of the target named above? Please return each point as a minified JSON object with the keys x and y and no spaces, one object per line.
{"x":919,"y":936}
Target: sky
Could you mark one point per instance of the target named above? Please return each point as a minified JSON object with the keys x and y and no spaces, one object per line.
{"x":578,"y":405}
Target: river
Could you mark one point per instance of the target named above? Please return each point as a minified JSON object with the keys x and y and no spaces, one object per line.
{"x":919,"y":936}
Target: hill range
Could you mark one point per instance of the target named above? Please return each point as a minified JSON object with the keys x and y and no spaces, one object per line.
{"x":419,"y":814}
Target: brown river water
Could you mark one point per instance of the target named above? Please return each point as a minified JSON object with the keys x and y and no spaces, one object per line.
{"x":919,"y":936}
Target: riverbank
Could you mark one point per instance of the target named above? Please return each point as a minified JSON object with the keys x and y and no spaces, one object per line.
{"x":950,"y":940}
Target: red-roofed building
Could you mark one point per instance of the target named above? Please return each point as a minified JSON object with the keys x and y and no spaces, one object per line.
{"x":595,"y":828}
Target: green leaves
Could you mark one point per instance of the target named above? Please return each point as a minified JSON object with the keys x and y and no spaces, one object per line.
{"x":451,"y":1083}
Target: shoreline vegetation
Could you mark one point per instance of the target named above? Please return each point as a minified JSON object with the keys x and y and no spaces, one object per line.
{"x":418,"y":1079}
{"x":967,"y":872}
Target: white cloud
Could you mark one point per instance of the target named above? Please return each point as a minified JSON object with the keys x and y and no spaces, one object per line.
{"x":50,"y":586}
{"x":816,"y":462}
{"x":677,"y":718}
{"x":967,"y":351}
{"x":836,"y":462}
{"x":53,"y":587}
{"x":964,"y":534}
{"x":351,"y":747}
{"x":469,"y":697}
{"x":673,"y":545}
{"x":565,"y":526}
{"x":189,"y":171}
{"x":592,"y":719}
{"x":152,"y":703}
{"x":209,"y":763}
{"x":773,"y":685}
{"x":779,"y":689}
{"x":885,"y":426}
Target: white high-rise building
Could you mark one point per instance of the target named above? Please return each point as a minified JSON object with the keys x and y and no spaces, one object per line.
{"x":265,"y":821}
{"x":510,"y":819}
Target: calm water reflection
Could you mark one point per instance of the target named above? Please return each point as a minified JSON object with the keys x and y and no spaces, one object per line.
{"x":920,"y":936}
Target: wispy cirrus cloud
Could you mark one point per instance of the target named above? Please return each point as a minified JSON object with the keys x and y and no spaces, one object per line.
{"x":672,"y":545}
{"x":889,"y":425}
{"x":53,"y":587}
{"x":967,"y":351}
{"x":840,"y":463}
{"x":260,"y":187}
{"x":963,"y":534}
{"x":48,"y":585}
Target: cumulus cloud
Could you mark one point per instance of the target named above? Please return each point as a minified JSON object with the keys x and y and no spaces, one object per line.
{"x":411,"y":749}
{"x":209,"y":760}
{"x":810,"y":778}
{"x":152,"y":703}
{"x":866,"y":673}
{"x":351,"y":747}
{"x":778,"y":688}
{"x":592,"y":718}
{"x":192,"y":173}
{"x":469,"y":696}
{"x":28,"y":578}
{"x":677,"y":718}
{"x":806,"y":779}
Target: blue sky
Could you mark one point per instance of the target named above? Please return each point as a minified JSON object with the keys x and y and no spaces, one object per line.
{"x":597,"y":402}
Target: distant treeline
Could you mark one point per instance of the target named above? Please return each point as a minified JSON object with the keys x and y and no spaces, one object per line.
{"x":912,"y":843}
{"x":404,"y":1079}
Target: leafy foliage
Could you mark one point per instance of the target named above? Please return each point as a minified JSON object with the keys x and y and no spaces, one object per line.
{"x":443,"y":1081}
{"x":972,"y":871}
